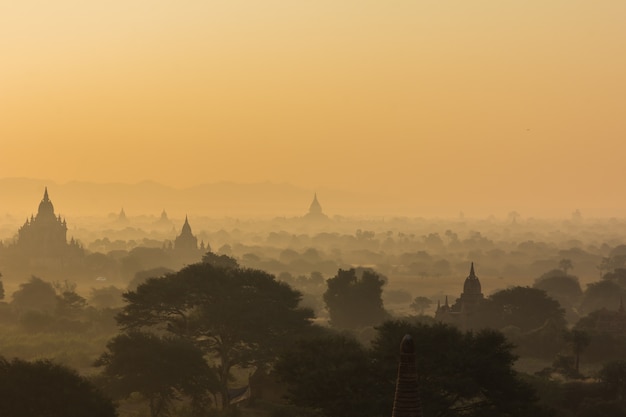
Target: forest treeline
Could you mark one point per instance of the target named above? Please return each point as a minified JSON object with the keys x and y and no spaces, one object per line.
{"x":179,"y":342}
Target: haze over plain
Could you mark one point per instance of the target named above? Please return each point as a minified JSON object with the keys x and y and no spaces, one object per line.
{"x":482,"y":107}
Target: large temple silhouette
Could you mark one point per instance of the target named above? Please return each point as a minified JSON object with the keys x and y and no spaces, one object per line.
{"x":42,"y":240}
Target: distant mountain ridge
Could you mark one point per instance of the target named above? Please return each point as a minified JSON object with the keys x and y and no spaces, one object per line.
{"x":22,"y":196}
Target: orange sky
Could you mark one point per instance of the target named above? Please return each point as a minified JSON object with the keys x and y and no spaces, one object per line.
{"x":515,"y":105}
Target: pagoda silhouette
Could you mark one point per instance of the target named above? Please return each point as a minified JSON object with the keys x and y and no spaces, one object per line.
{"x":42,"y":239}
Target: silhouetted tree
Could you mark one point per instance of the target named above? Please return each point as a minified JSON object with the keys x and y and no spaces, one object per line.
{"x":222,"y":261}
{"x":161,"y":369}
{"x":522,"y":307}
{"x":459,"y":374}
{"x":354,"y":298}
{"x":613,"y":376}
{"x":420,"y":304}
{"x":239,"y":316}
{"x":613,"y":262}
{"x":602,"y":294}
{"x":69,"y":303}
{"x":563,"y":288}
{"x":557,"y":284}
{"x":43,"y":388}
{"x":333,"y":373}
{"x":579,"y":340}
{"x":618,"y":275}
{"x":36,"y":294}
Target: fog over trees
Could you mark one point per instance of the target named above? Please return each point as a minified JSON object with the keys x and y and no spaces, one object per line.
{"x":303,"y":315}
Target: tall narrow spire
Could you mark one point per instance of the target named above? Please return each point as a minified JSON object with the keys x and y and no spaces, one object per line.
{"x":472,"y":274}
{"x":186,"y":227}
{"x":406,"y":402}
{"x":46,"y":209}
{"x":315,"y":208}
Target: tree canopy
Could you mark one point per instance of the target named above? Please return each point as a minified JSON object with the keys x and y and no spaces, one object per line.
{"x":459,"y":374}
{"x":43,"y":388}
{"x":238,"y":316}
{"x":161,"y":369}
{"x":354,"y":298}
{"x":559,"y":285}
{"x":333,"y":373}
{"x":603,"y":294}
{"x":468,"y":374}
{"x":36,"y":294}
{"x":522,"y":307}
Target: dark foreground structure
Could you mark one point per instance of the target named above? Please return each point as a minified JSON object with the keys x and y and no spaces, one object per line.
{"x":406,"y":402}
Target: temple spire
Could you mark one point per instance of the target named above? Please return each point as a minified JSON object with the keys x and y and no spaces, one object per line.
{"x":45,"y":195}
{"x":315,"y":208}
{"x":186,"y":227}
{"x":406,"y":401}
{"x":186,"y":240}
{"x":472,"y":274}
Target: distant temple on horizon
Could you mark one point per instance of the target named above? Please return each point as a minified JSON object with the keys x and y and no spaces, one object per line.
{"x":185,"y":248}
{"x":186,"y":241}
{"x":315,"y":211}
{"x":121,"y":218}
{"x":465,"y":306}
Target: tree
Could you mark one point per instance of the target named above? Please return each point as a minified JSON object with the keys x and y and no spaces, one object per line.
{"x":459,"y":374}
{"x":354,"y":298}
{"x":333,"y":373}
{"x":563,"y":288}
{"x":420,"y":304}
{"x":618,"y":275}
{"x":522,"y":307}
{"x":616,"y":260}
{"x":603,"y":294}
{"x":579,"y":340}
{"x":238,"y":316}
{"x":223,"y":261}
{"x":35,"y":294}
{"x":43,"y":388}
{"x":613,"y":376}
{"x":69,"y":303}
{"x":161,"y":369}
{"x":559,"y":285}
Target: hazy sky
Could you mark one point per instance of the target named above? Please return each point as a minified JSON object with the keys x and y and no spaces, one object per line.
{"x":458,"y":103}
